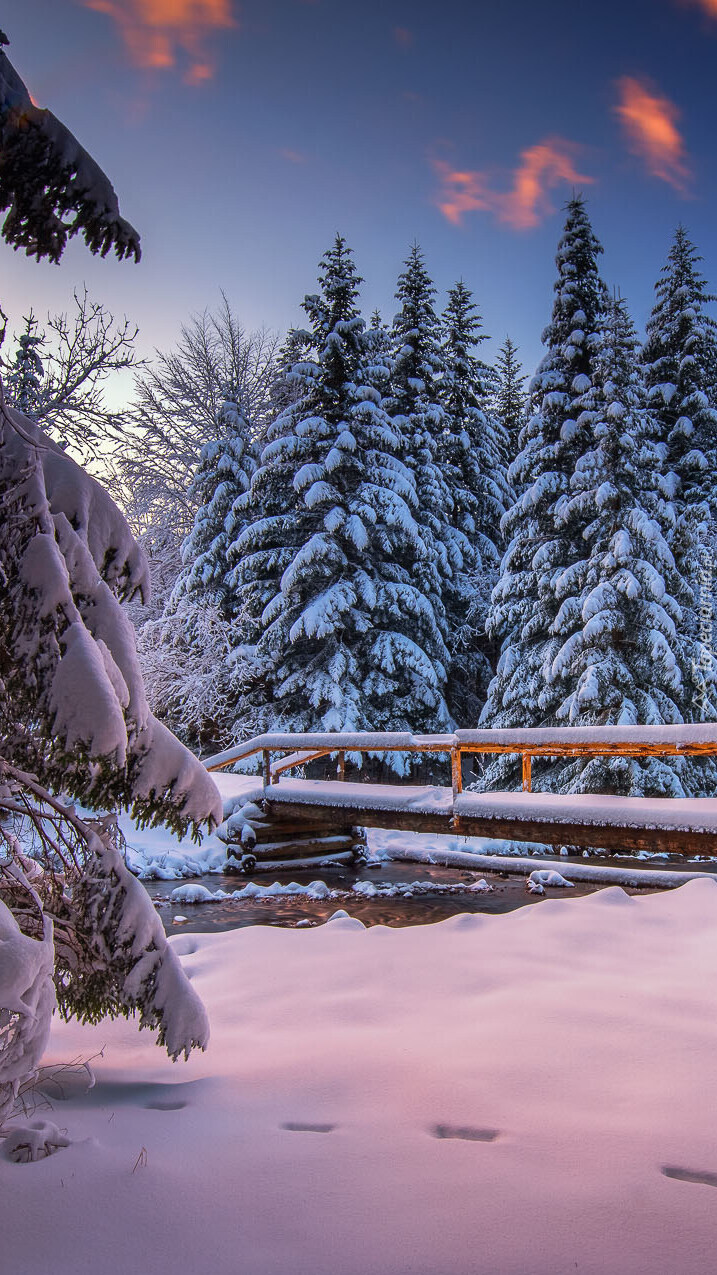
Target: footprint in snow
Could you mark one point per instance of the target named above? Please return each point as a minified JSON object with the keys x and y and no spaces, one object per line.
{"x":466,"y":1133}
{"x":689,"y":1175}
{"x":164,"y":1104}
{"x":294,"y":1126}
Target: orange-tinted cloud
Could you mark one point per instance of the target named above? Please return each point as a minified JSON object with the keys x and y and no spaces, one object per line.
{"x":541,"y":168}
{"x":157,"y":31}
{"x":650,"y":122}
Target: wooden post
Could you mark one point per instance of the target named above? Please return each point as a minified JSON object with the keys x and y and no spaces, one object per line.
{"x":341,"y":767}
{"x":526,"y":773}
{"x":266,"y":767}
{"x":456,"y":774}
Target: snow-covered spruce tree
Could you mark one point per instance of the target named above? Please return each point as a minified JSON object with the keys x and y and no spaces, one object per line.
{"x":23,"y":385}
{"x":471,"y":456}
{"x":224,"y":474}
{"x":679,"y":358}
{"x":377,"y":354}
{"x":286,"y":389}
{"x":415,"y":406}
{"x":620,"y":661}
{"x":330,"y":560}
{"x":509,"y":403}
{"x":542,"y":548}
{"x":680,"y":368}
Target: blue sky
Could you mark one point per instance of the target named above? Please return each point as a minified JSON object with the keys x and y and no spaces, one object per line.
{"x":239,"y":150}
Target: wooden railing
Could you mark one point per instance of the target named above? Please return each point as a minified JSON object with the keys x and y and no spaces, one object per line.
{"x":699,"y":739}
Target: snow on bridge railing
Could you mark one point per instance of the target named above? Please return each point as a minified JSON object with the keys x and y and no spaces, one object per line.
{"x":687,"y":739}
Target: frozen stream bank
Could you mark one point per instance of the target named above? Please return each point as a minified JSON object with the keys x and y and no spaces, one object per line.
{"x":414,"y":880}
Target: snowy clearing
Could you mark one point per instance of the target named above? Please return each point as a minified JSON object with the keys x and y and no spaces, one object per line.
{"x":390,"y":1100}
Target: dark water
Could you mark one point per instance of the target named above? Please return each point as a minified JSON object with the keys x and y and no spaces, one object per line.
{"x":508,"y":893}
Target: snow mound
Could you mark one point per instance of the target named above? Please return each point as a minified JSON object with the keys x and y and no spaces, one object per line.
{"x":548,"y":876}
{"x":35,"y":1141}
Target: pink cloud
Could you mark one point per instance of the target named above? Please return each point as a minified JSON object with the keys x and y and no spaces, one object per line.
{"x":155,"y":32}
{"x":650,"y":124}
{"x":542,"y":167}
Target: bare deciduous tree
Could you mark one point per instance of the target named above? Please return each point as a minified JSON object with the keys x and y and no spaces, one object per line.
{"x":179,"y":402}
{"x":78,"y":352}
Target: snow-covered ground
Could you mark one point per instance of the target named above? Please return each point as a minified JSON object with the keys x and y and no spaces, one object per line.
{"x":155,"y":854}
{"x":493,"y":1095}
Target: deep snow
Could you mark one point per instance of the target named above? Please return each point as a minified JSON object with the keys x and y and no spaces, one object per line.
{"x":523,"y":1093}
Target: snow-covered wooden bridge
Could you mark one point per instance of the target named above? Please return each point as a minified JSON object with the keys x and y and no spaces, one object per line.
{"x":309,"y":817}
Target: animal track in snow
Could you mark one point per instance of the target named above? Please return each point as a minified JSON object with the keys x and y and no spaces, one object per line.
{"x":689,"y":1175}
{"x":465,"y":1133}
{"x":295,"y":1126}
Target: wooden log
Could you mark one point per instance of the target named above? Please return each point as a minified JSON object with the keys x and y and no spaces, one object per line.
{"x":311,"y":862}
{"x":300,"y":847}
{"x":404,"y":820}
{"x":266,"y":767}
{"x":301,"y":758}
{"x":341,"y":766}
{"x":588,"y":749}
{"x":456,"y":772}
{"x":588,"y":836}
{"x":289,"y":829}
{"x":526,"y":773}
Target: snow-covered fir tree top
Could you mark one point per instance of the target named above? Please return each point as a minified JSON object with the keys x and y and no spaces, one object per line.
{"x":680,"y":368}
{"x":473,"y":445}
{"x":541,"y":547}
{"x":25,"y":373}
{"x":510,"y":398}
{"x":223,"y":478}
{"x":328,"y":561}
{"x":620,"y":656}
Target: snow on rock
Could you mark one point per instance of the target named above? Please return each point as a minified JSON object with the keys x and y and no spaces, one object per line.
{"x":192,"y":894}
{"x":548,"y":876}
{"x":337,"y":1056}
{"x":407,"y":889}
{"x":320,"y":890}
{"x":200,"y":894}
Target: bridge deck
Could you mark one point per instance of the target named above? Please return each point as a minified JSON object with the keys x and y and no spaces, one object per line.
{"x":686,"y":826}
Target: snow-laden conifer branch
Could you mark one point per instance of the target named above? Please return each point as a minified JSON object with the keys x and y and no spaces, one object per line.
{"x":77,"y":930}
{"x":72,"y":703}
{"x":49,"y":185}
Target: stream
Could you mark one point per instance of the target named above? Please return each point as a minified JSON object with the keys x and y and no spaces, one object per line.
{"x":424,"y":908}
